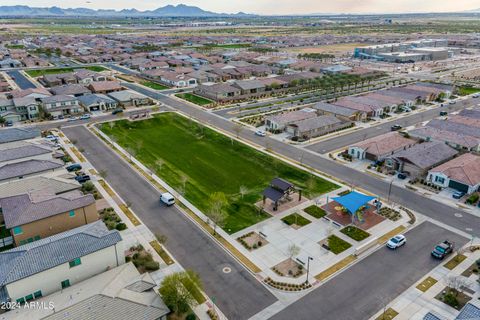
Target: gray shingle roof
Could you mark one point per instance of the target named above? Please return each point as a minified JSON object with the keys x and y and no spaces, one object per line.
{"x":17,"y":169}
{"x":316,"y":123}
{"x":22,"y":152}
{"x":94,"y":99}
{"x":16,"y":134}
{"x":25,"y":208}
{"x":455,"y":127}
{"x":330,"y":108}
{"x":41,"y":255}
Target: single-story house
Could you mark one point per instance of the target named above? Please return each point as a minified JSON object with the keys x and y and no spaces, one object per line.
{"x":250,"y":86}
{"x":27,"y":168}
{"x":95,"y":102}
{"x":218,"y":92}
{"x":380,"y":147}
{"x":18,"y":134}
{"x":317,"y":126}
{"x":280,"y":121}
{"x":461,"y":173}
{"x":105,"y":87}
{"x":129,"y":98}
{"x":456,"y":140}
{"x":16,"y":152}
{"x":75,"y":90}
{"x":417,"y":160}
{"x":346,"y":114}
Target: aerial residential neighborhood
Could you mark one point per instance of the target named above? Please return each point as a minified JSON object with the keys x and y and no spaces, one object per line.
{"x":240,"y":160}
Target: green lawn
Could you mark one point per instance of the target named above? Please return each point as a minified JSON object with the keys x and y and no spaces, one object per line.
{"x":201,"y":101}
{"x":355,"y":233}
{"x":297,"y":219}
{"x":15,"y":46}
{"x":315,"y":211}
{"x":463,"y":91}
{"x":153,"y":85}
{"x":42,"y":72}
{"x":227,"y":46}
{"x":175,"y":147}
{"x":337,"y":245}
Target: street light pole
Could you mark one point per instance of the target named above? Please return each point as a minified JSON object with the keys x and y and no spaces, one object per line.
{"x":308,"y":267}
{"x":389,"y":191}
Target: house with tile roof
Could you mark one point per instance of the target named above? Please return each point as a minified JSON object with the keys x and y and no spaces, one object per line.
{"x":49,"y":265}
{"x":19,"y":170}
{"x":39,"y":214}
{"x":18,"y":134}
{"x":417,"y":160}
{"x":121,"y":293}
{"x":462,"y":174}
{"x":380,"y":147}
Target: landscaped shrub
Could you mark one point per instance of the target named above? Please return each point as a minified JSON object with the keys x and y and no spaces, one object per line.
{"x":191,"y":316}
{"x":450,"y":299}
{"x":315,"y":211}
{"x":112,"y":220}
{"x":355,"y":233}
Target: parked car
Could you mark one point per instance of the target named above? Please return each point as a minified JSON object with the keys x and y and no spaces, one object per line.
{"x":167,"y":198}
{"x":402,"y":176}
{"x":452,"y":102}
{"x":82,"y":178}
{"x":8,"y":123}
{"x":72,"y":119}
{"x":476,"y":95}
{"x":116,"y":111}
{"x":85,"y":116}
{"x":442,"y":249}
{"x":61,"y":117}
{"x":74,"y":167}
{"x":52,"y":138}
{"x":458,"y":195}
{"x":443,"y":113}
{"x":397,"y":241}
{"x":395,"y":127}
{"x":260,"y":133}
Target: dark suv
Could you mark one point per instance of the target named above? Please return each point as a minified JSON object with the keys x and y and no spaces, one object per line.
{"x":442,"y":249}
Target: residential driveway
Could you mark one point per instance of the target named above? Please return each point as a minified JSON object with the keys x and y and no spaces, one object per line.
{"x":360,"y":135}
{"x":238,"y":294}
{"x":362,"y":290}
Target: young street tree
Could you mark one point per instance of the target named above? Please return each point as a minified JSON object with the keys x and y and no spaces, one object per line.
{"x":177,"y":291}
{"x":238,"y":128}
{"x":243,"y":191}
{"x":218,"y":201}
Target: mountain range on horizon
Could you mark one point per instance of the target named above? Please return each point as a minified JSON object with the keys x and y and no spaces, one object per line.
{"x":180,"y":10}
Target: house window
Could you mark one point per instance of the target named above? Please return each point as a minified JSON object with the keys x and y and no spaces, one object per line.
{"x":72,"y":213}
{"x":439,"y":179}
{"x":75,"y":263}
{"x":65,"y":284}
{"x":37,"y":294}
{"x":17,"y":230}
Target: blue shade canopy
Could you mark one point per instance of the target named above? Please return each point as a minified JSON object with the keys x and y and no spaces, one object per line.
{"x":353,"y":201}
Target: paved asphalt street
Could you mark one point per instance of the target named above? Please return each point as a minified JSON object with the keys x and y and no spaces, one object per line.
{"x":431,"y":208}
{"x":363,"y":290}
{"x":238,"y":294}
{"x":359,"y":135}
{"x":20,"y":79}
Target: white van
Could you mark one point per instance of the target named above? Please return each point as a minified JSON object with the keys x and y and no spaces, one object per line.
{"x":167,"y":198}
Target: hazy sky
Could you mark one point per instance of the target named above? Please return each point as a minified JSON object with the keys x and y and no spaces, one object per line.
{"x":270,"y":6}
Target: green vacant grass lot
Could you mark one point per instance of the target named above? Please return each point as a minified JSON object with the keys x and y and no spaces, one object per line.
{"x":194,"y":99}
{"x":175,"y":147}
{"x":41,"y":72}
{"x":463,"y":91}
{"x":153,"y":85}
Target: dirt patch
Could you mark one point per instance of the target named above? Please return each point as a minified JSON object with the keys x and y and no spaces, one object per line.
{"x":289,"y":268}
{"x":252,"y":241}
{"x":331,"y":48}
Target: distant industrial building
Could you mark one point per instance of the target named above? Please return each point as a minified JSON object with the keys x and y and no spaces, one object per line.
{"x":411,"y":51}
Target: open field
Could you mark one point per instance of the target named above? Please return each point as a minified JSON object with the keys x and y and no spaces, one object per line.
{"x":41,"y":72}
{"x":153,"y":85}
{"x":199,"y":161}
{"x":201,"y":101}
